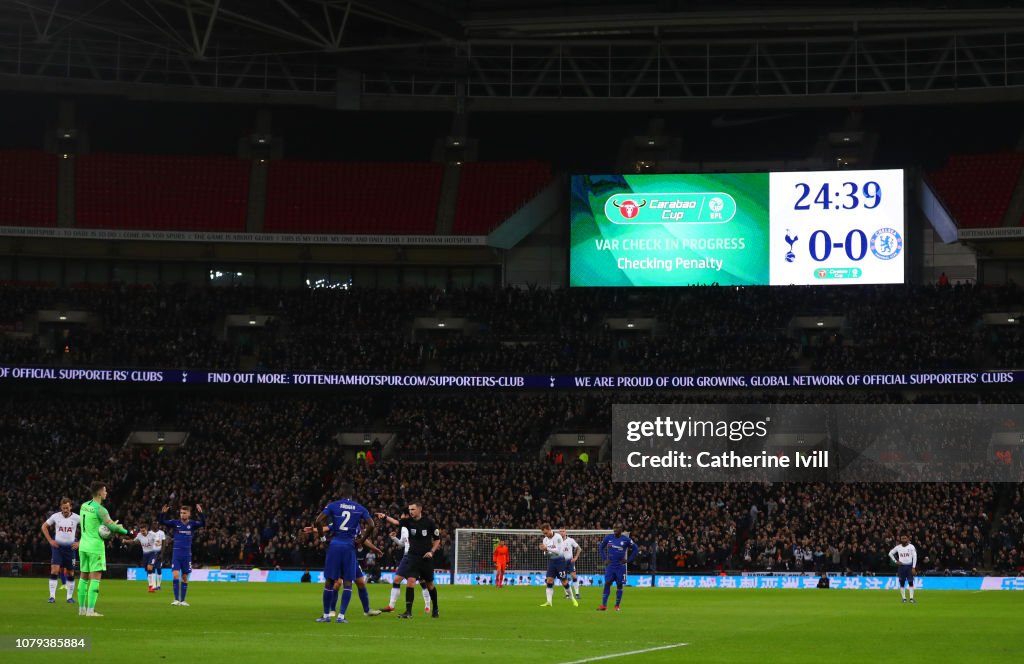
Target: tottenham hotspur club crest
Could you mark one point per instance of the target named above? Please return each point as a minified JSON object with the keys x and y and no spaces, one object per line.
{"x":790,"y":256}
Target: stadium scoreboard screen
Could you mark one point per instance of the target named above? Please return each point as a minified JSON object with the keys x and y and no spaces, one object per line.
{"x":738,"y":229}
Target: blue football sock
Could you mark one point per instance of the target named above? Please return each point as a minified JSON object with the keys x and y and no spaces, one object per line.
{"x":184,"y":589}
{"x":177,"y":590}
{"x":334,"y":599}
{"x":364,"y":597}
{"x":604,"y":595}
{"x":346,"y":597}
{"x":618,"y":596}
{"x":328,"y":593}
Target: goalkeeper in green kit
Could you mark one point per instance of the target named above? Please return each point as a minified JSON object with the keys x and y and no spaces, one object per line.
{"x":92,"y":551}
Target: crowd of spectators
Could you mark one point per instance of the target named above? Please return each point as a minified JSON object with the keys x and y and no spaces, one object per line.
{"x":497,"y":426}
{"x":721,"y":330}
{"x":262,"y":468}
{"x":915,"y":329}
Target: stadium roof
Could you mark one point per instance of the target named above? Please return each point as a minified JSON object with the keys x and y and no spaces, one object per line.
{"x":194,"y":28}
{"x":308,"y":46}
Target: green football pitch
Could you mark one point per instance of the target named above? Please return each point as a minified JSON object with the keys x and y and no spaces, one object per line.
{"x":242,"y":623}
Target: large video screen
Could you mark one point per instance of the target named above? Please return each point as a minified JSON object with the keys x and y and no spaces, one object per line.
{"x":738,"y":229}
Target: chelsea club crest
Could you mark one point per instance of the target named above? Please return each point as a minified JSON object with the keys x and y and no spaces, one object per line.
{"x":886,"y":243}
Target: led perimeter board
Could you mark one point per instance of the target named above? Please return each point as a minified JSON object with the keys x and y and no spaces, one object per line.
{"x":738,"y":229}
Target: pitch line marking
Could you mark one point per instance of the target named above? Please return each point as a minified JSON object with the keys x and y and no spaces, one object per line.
{"x":625,"y":654}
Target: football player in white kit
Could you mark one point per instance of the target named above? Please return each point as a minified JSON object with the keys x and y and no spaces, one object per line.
{"x":905,"y":556}
{"x":64,"y":548}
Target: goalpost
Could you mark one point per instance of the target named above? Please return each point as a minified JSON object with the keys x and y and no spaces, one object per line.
{"x":474,"y":554}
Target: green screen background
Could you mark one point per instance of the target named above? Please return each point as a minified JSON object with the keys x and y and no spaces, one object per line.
{"x":589,"y":266}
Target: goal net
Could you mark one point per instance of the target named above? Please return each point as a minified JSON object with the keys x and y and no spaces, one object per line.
{"x":474,"y":554}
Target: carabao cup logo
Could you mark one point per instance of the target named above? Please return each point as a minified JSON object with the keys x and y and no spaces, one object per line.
{"x":629,"y":208}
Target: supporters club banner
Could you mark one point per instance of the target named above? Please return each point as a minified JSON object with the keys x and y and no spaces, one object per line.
{"x":512,"y":381}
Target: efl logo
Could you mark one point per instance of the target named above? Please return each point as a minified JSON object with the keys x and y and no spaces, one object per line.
{"x":629,"y":208}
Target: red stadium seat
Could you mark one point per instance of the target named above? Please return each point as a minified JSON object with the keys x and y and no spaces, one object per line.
{"x":490,"y":192}
{"x":28,"y":188}
{"x":977,"y":188}
{"x":341,"y":198}
{"x":159,"y":192}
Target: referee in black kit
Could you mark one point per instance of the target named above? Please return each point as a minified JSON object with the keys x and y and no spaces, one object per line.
{"x":424,"y":541}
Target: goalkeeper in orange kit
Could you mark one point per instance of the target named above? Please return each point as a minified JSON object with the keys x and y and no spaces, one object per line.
{"x":500,"y":562}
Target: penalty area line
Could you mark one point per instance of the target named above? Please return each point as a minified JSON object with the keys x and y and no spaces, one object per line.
{"x":626,"y":654}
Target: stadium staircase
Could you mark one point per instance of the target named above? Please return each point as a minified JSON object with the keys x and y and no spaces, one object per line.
{"x":257,"y":208}
{"x":448,"y":202}
{"x":1004,"y":495}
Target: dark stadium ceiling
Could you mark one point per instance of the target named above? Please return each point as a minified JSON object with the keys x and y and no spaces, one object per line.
{"x":434,"y":52}
{"x":206,"y":29}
